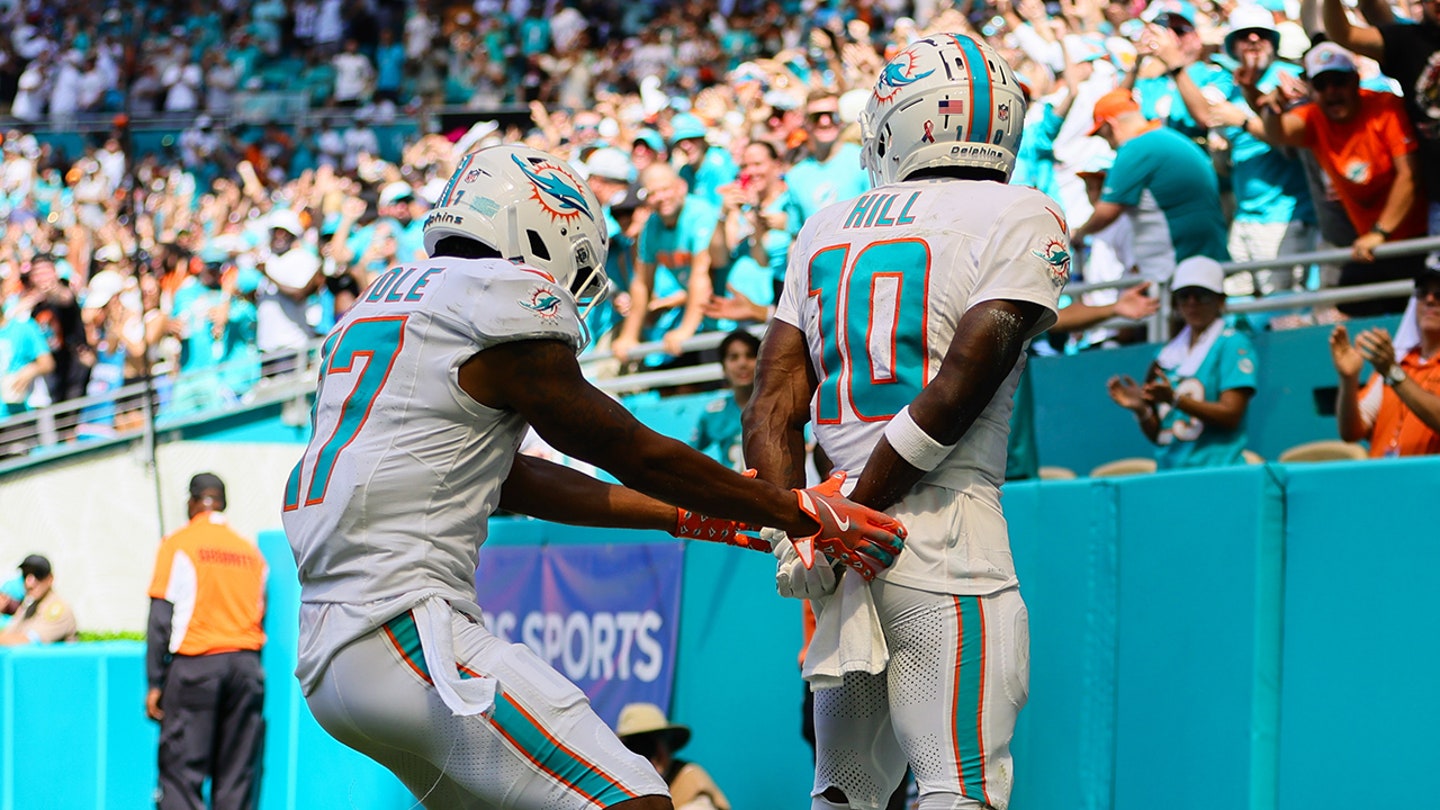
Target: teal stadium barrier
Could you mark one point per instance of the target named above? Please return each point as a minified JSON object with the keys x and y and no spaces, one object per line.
{"x":1234,"y":638}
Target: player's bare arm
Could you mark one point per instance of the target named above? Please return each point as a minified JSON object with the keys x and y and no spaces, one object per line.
{"x":987,"y":343}
{"x":549,"y":491}
{"x":776,"y":415}
{"x":541,"y":380}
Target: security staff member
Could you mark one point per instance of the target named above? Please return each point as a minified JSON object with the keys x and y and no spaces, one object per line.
{"x":42,"y":616}
{"x":207,"y":688}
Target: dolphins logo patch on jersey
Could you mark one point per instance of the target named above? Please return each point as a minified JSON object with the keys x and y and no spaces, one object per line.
{"x":898,"y":73}
{"x":1056,"y":254}
{"x":1357,"y":171}
{"x":543,"y":302}
{"x":556,"y":191}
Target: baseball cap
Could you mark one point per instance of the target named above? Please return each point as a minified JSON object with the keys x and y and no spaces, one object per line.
{"x":1113,"y":105}
{"x":206,"y":482}
{"x":1247,"y":18}
{"x":628,"y":200}
{"x":1328,"y":57}
{"x":284,"y":219}
{"x":652,"y":139}
{"x":1199,"y":271}
{"x":103,"y":286}
{"x":395,"y":192}
{"x":611,"y":164}
{"x":36,"y":566}
{"x":686,"y":126}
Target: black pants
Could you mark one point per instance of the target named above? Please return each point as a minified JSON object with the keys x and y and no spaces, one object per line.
{"x":213,"y":727}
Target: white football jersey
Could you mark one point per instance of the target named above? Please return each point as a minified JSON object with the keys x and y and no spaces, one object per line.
{"x":879,"y":284}
{"x":389,"y":503}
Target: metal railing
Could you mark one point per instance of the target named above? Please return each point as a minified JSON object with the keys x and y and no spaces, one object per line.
{"x":80,"y":425}
{"x":142,"y":410}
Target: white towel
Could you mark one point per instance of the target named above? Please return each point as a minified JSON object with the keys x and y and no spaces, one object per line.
{"x":848,"y":637}
{"x":464,"y":696}
{"x":1407,"y":336}
{"x":1182,"y":358}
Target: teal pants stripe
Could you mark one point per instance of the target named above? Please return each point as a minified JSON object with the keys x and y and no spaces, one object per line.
{"x":552,"y":756}
{"x":970,"y":696}
{"x":518,"y":726}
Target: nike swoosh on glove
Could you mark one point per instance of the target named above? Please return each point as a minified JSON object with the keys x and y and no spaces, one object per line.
{"x":792,"y":579}
{"x":864,"y":539}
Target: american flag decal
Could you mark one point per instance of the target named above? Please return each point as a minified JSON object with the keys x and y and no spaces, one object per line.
{"x":952,"y":107}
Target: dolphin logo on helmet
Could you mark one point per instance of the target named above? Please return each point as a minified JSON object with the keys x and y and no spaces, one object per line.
{"x":562,"y":199}
{"x":898,"y":73}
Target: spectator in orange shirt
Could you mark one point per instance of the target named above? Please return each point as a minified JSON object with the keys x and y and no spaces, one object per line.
{"x":1366,"y":145}
{"x":207,"y":688}
{"x":1399,"y":410}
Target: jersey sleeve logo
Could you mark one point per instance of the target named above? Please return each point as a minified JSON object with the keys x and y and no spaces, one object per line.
{"x":1055,"y":254}
{"x":556,"y":191}
{"x":543,"y":302}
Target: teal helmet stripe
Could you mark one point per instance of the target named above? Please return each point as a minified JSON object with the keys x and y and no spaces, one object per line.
{"x":981,"y":103}
{"x":455,"y":179}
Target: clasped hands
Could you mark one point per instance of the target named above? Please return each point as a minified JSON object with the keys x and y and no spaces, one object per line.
{"x":855,"y":535}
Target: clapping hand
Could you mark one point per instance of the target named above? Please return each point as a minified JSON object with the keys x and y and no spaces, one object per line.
{"x":1348,"y":360}
{"x":1159,"y":391}
{"x":862,"y":538}
{"x":1127,"y":393}
{"x":1375,"y":345}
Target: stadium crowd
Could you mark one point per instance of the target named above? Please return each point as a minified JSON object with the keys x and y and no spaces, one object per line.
{"x":710,"y":128}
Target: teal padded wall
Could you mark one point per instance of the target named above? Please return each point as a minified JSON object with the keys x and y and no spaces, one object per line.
{"x":1360,"y":709}
{"x":1231,"y":638}
{"x":1199,"y":630}
{"x":1063,"y":537}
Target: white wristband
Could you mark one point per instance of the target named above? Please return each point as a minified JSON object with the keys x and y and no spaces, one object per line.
{"x":914,"y":444}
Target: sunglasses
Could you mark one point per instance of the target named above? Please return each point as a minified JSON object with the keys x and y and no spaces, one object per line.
{"x":1331,"y":78}
{"x":1194,"y":294}
{"x":828,"y":116}
{"x":1424,"y":291}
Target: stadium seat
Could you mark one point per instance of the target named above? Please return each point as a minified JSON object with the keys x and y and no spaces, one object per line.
{"x":1252,"y":457}
{"x":1325,"y":450}
{"x":1124,"y":466}
{"x":1056,"y":473}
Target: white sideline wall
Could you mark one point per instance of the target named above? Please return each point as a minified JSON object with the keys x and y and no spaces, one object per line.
{"x":95,"y":517}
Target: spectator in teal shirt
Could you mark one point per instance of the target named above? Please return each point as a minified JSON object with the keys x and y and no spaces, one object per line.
{"x":704,"y":168}
{"x":1197,"y":391}
{"x":830,"y":171}
{"x":1273,"y":211}
{"x":218,"y":360}
{"x":672,"y":283}
{"x":1163,"y":182}
{"x":717,"y":433}
{"x":24,"y":358}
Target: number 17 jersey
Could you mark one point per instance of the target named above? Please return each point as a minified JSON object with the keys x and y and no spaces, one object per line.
{"x":879,"y":284}
{"x":388,"y":504}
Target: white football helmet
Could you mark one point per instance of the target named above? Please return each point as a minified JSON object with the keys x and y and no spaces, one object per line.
{"x":946,"y":100}
{"x":530,"y":206}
